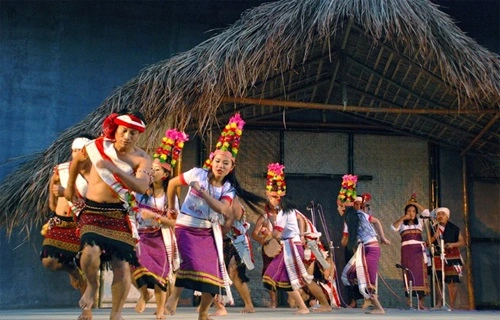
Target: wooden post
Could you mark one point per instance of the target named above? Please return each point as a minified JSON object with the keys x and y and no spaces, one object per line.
{"x":468,"y":255}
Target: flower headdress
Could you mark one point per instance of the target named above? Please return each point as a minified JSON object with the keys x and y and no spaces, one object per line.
{"x":276,"y":184}
{"x":167,"y":154}
{"x":229,"y":140}
{"x":347,"y":191}
{"x":413,"y":198}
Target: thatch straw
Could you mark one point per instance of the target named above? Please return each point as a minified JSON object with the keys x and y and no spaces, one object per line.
{"x":189,"y":87}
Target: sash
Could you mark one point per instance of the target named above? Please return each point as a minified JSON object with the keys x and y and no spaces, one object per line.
{"x":295,"y":268}
{"x":363,"y":278}
{"x":216,"y":227}
{"x":81,"y":186}
{"x":170,"y":243}
{"x":103,"y":149}
{"x":241,"y":241}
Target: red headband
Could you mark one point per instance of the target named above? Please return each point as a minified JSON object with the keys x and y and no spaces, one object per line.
{"x":130,"y":121}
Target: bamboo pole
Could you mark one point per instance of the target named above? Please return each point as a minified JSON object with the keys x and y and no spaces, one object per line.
{"x":468,"y":262}
{"x":336,"y":107}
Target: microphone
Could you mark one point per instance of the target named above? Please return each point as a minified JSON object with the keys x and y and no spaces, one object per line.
{"x":426,"y":217}
{"x":401,"y":267}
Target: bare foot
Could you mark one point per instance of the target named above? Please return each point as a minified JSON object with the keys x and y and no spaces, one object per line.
{"x":169,"y":309}
{"x":204,"y":316}
{"x":87,"y":300}
{"x":366,"y":304}
{"x":141,"y":303}
{"x":322,"y":309}
{"x":85,"y":315}
{"x":248,"y":310}
{"x":301,"y":311}
{"x":160,"y":316}
{"x":219,"y":312}
{"x":116,"y":315}
{"x":376,"y":311}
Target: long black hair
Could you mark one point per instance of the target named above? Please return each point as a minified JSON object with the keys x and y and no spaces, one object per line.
{"x":415,"y":220}
{"x":286,"y":204}
{"x":352,"y":222}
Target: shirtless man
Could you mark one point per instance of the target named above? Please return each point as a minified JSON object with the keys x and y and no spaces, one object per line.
{"x":61,"y":242}
{"x":107,"y":226}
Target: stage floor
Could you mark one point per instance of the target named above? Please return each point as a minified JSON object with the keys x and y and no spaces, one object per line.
{"x":262,"y":314}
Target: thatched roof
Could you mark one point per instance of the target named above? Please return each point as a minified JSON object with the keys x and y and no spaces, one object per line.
{"x":399,"y":65}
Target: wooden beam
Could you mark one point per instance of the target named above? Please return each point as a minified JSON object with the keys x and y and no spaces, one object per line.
{"x":336,"y":107}
{"x":485,"y":129}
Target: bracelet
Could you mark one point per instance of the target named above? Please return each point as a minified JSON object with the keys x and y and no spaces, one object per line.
{"x":158,"y":218}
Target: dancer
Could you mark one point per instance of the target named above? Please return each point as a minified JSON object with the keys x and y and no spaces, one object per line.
{"x":107,"y":222}
{"x":209,"y":199}
{"x":259,"y":234}
{"x":157,"y":254}
{"x":449,"y":234}
{"x":61,"y":242}
{"x":413,"y":251}
{"x":346,"y":195}
{"x":287,"y":271}
{"x":362,"y":231}
{"x":318,"y":260}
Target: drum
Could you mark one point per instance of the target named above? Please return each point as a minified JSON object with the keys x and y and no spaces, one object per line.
{"x":272,"y":247}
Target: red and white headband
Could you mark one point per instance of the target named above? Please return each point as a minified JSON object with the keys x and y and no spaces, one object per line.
{"x":130,"y":121}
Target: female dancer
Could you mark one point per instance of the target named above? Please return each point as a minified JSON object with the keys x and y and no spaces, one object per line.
{"x":211,"y":193}
{"x":287,"y":271}
{"x":157,"y":251}
{"x":362,"y":269}
{"x":413,"y":254}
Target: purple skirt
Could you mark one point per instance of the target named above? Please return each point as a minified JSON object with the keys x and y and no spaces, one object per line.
{"x":413,"y":259}
{"x":153,"y":261}
{"x":275,"y":276}
{"x":199,"y":269}
{"x":370,"y":268}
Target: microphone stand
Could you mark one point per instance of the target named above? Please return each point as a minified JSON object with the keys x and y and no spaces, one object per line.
{"x":433,"y":265}
{"x":443,"y":283}
{"x":408,"y":288}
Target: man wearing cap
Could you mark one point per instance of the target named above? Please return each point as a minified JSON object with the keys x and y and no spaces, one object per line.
{"x":107,"y":227}
{"x":448,"y":234}
{"x":61,"y":243}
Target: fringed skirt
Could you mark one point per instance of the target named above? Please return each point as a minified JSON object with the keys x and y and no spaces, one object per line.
{"x":199,"y":269}
{"x":61,"y":241}
{"x":453,"y":265}
{"x":154,"y":266}
{"x":106,"y":225}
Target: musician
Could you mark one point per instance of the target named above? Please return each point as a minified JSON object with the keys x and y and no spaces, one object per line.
{"x":287,"y":271}
{"x":453,"y":241}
